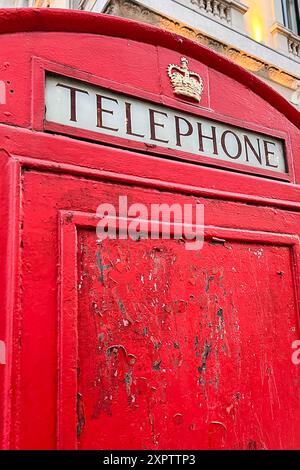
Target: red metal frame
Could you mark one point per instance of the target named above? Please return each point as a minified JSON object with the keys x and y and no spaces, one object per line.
{"x":11,"y":262}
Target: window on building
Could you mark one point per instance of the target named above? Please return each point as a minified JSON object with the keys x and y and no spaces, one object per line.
{"x":83,"y":4}
{"x":291,"y":17}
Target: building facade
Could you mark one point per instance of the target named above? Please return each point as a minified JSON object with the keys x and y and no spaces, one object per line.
{"x":263,"y":36}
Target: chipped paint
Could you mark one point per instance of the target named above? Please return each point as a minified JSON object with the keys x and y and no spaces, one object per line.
{"x":102,"y":267}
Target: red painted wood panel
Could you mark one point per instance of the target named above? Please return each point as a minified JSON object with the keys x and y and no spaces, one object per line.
{"x":172,"y":355}
{"x":164,"y":341}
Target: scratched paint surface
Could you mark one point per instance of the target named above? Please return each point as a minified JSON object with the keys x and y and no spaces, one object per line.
{"x":192,"y":349}
{"x":184,"y":349}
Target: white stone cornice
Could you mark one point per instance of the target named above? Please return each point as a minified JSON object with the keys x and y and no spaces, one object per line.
{"x":266,"y":70}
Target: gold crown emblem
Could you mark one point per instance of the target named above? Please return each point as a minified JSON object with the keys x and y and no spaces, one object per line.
{"x":185,"y":83}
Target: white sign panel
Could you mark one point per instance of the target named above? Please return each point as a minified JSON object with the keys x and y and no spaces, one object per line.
{"x":83,"y":106}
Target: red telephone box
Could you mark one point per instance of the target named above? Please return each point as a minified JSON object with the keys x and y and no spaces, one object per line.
{"x":142,"y":343}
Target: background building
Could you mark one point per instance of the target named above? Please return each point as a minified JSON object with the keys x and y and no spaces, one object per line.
{"x":263,"y":36}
